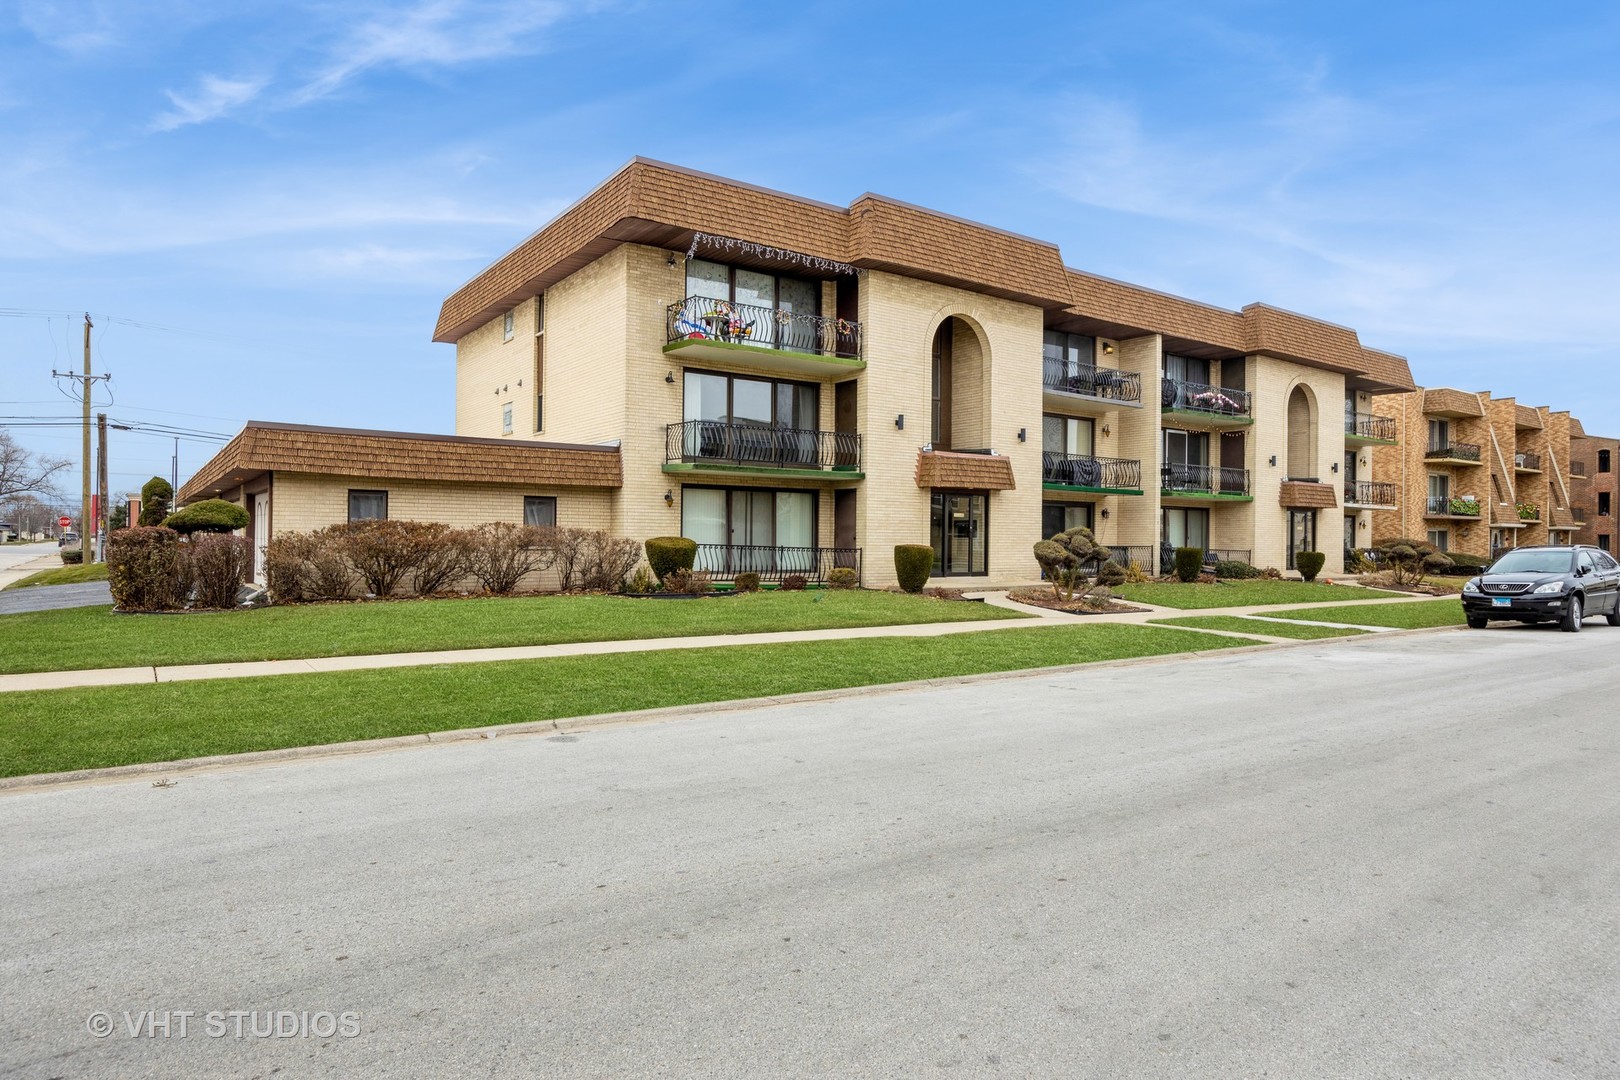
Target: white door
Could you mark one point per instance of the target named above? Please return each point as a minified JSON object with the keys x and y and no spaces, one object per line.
{"x":261,"y":533}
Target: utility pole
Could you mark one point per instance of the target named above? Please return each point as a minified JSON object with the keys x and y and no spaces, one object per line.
{"x":85,"y":524}
{"x":103,"y":532}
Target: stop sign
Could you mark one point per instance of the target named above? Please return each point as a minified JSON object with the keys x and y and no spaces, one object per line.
{"x":64,"y":521}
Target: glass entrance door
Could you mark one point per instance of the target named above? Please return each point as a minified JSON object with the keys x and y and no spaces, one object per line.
{"x":1301,"y":533}
{"x":959,"y":527}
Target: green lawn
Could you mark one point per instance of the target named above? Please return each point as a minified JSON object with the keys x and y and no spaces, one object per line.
{"x":1241,"y":625}
{"x":1243,"y":593}
{"x":1421,"y":614}
{"x":64,"y":575}
{"x":61,"y":730}
{"x":94,"y":637}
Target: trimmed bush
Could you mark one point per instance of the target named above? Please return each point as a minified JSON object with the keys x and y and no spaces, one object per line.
{"x":747,"y":582}
{"x":1309,"y":564}
{"x":1189,"y":563}
{"x":1235,"y":569}
{"x":1463,"y":564}
{"x":500,"y":554}
{"x":1111,"y":575}
{"x":1407,"y":560}
{"x":210,"y":515}
{"x":301,"y":567}
{"x":912,"y":565}
{"x":843,"y":577}
{"x":218,"y":564}
{"x":72,"y":556}
{"x":666,"y":554}
{"x":383,"y":552}
{"x":156,"y":495}
{"x":689,"y":582}
{"x":594,"y":560}
{"x":1065,"y":557}
{"x":796,"y":582}
{"x":146,"y":569}
{"x":444,"y":558}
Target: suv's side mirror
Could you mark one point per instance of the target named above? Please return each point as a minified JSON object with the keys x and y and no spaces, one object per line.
{"x":1582,"y":571}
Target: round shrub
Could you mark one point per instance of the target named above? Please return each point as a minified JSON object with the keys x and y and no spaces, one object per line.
{"x":843,"y":577}
{"x":666,"y":554}
{"x":1111,"y":575}
{"x":72,"y":556}
{"x":156,"y":494}
{"x":746,"y":582}
{"x":146,"y":569}
{"x":210,"y":515}
{"x":912,"y":565}
{"x":1309,"y":564}
{"x":1189,"y":563}
{"x":793,"y":583}
{"x":1235,"y":569}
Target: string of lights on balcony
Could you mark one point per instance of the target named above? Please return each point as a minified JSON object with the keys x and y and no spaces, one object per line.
{"x":728,"y":245}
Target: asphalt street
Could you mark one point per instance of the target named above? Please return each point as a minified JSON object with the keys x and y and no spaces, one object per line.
{"x":1382,"y":857}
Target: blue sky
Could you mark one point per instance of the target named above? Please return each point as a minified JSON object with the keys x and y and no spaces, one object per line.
{"x":296,"y":186}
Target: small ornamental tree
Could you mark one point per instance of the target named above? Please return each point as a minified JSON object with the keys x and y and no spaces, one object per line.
{"x":1189,"y":563}
{"x":1309,"y":564}
{"x":156,"y":495}
{"x":1409,"y":560}
{"x":912,"y":565}
{"x":666,"y":554}
{"x":208,"y":516}
{"x":1065,"y":557}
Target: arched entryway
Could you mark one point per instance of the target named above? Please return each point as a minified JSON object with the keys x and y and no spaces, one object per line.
{"x":1301,"y":463}
{"x":959,"y":386}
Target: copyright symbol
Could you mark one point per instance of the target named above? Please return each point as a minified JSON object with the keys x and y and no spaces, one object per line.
{"x":99,"y":1024}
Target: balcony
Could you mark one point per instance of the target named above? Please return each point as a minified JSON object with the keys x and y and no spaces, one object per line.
{"x":1167,"y":557}
{"x":1069,"y":383}
{"x":762,"y":337}
{"x":1527,"y":513}
{"x":772,"y":564}
{"x":1076,"y":472}
{"x":1362,"y":429}
{"x":1526,"y":463}
{"x":1442,"y":506}
{"x":1205,"y":405}
{"x":1457,"y":453}
{"x":760,"y":450}
{"x":1368,"y":493}
{"x":1204,"y":482}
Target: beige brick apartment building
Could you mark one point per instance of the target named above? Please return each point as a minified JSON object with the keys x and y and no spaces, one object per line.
{"x":798,"y":385}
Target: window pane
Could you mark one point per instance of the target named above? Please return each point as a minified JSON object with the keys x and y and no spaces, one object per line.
{"x":705,"y":396}
{"x":703,"y":515}
{"x":1052,"y":434}
{"x":758,"y":289}
{"x":795,"y":520}
{"x":540,"y":510}
{"x":1080,"y":436}
{"x":708,"y":279}
{"x":368,"y":505}
{"x":936,"y":529}
{"x":750,"y":401}
{"x":979,"y":537}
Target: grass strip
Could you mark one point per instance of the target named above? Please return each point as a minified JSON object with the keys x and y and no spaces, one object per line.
{"x":1418,"y":615}
{"x":1241,"y":625}
{"x":61,"y":730}
{"x":63,"y":575}
{"x":1194,"y":595}
{"x":93,"y":637}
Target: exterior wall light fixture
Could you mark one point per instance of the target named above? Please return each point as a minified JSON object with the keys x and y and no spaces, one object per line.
{"x":1021,"y":436}
{"x":1104,"y":513}
{"x":669,"y":377}
{"x":1106,"y":430}
{"x":1335,"y":466}
{"x":1108,"y":348}
{"x":1273,"y":459}
{"x":900,"y":422}
{"x":669,"y":497}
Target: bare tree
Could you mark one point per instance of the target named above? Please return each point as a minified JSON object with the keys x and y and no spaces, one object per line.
{"x":26,"y":473}
{"x":32,"y":516}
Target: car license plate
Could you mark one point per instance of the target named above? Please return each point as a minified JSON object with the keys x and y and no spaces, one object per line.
{"x":1501,"y":601}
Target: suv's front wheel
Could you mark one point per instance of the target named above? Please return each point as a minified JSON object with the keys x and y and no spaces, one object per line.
{"x":1573,"y":616}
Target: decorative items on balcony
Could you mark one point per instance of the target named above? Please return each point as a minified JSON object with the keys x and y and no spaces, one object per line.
{"x":1464,"y":507}
{"x":708,"y":319}
{"x":1528,"y":512}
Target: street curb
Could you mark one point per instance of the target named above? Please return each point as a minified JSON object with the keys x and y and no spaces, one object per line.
{"x":49,"y":781}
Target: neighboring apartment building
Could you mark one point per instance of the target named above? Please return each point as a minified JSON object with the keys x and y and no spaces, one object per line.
{"x":798,"y":385}
{"x":1477,"y":474}
{"x":1595,"y":482}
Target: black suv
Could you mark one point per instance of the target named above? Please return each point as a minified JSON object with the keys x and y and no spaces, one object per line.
{"x":1562,"y":584}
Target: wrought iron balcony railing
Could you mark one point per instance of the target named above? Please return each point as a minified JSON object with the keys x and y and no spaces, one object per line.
{"x":1451,"y":506}
{"x":726,"y":561}
{"x":1073,"y":377}
{"x":1368,"y":493}
{"x":1527,"y":461}
{"x":1167,"y":556}
{"x":1204,"y":480}
{"x":1078,"y":470}
{"x":757,"y":444}
{"x":1370,"y":427}
{"x":703,"y":317}
{"x":1202,"y":398}
{"x":1457,"y":451}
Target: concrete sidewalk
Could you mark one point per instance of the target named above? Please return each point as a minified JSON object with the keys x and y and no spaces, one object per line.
{"x":126,"y":676}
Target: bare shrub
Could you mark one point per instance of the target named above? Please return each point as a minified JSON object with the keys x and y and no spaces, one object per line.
{"x":384,"y":552}
{"x":218,"y":563}
{"x":300,"y":567}
{"x":594,"y":560}
{"x":444,"y":561}
{"x":500,"y":553}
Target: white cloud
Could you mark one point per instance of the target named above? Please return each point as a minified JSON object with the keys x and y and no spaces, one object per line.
{"x":66,"y":26}
{"x":213,"y":98}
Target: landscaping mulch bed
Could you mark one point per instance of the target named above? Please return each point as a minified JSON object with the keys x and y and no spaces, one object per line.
{"x":1045,"y":598}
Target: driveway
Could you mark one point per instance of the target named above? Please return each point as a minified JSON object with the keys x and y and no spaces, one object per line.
{"x":1382,"y":857}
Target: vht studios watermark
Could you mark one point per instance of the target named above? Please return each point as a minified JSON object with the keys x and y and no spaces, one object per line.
{"x":223,"y":1024}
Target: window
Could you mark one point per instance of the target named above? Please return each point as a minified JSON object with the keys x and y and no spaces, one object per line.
{"x":959,"y":527}
{"x":1186,"y":461}
{"x":1186,"y":369}
{"x":1603,"y":559}
{"x":506,"y":326}
{"x":1070,"y":348}
{"x":1603,"y":461}
{"x":1603,"y":542}
{"x":1181,"y":527}
{"x":1603,"y":504}
{"x":539,"y":362}
{"x":765,"y":304}
{"x":758,"y":529}
{"x":1070,"y":436}
{"x":506,"y":419}
{"x":737,"y":399}
{"x":1061,"y":517}
{"x":1440,"y":538}
{"x":540,"y":510}
{"x":368,"y":505}
{"x":1439,"y":494}
{"x":1301,"y":533}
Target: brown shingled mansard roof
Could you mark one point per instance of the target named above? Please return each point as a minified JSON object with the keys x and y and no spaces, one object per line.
{"x":263,"y":447}
{"x":653,"y":203}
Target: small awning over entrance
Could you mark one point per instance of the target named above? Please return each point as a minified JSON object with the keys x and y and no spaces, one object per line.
{"x":1308,"y":495}
{"x":968,"y":472}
